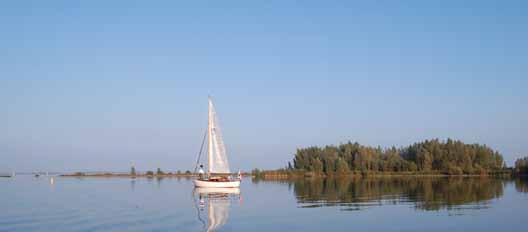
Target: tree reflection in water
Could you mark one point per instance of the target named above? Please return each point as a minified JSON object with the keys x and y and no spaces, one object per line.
{"x":521,"y":184}
{"x":424,"y":193}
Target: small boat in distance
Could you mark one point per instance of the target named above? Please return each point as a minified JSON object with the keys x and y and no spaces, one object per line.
{"x":218,"y":173}
{"x":8,"y":175}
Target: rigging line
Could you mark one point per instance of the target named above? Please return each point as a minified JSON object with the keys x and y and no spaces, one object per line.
{"x":200,"y":153}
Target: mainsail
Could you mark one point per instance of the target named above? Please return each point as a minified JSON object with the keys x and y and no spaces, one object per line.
{"x":217,"y":157}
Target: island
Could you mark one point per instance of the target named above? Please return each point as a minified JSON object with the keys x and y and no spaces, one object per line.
{"x":433,"y":157}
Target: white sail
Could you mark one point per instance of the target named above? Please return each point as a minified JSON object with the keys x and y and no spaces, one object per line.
{"x":217,"y":153}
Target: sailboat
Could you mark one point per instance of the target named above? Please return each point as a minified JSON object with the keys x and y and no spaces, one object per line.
{"x":218,"y":172}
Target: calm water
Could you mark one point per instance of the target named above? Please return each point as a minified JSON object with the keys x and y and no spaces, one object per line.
{"x":387,"y":204}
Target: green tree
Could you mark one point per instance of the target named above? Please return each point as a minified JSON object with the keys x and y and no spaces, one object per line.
{"x":450,"y":157}
{"x":424,"y":160}
{"x":342,"y":167}
{"x":256,"y":172}
{"x":317,"y":166}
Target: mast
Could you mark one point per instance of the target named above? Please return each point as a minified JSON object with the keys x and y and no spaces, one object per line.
{"x":209,"y":137}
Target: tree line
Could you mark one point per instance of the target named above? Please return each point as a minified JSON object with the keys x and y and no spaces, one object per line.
{"x":158,"y":172}
{"x":430,"y":156}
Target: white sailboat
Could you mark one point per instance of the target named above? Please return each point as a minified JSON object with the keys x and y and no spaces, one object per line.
{"x":218,"y":172}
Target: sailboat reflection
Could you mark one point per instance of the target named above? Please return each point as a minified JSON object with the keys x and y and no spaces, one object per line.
{"x":216,"y":202}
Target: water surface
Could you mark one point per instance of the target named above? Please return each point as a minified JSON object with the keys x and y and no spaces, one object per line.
{"x":171,"y":204}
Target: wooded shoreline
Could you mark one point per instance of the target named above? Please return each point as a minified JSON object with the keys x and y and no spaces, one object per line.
{"x":286,"y":174}
{"x":77,"y":174}
{"x":293,"y":174}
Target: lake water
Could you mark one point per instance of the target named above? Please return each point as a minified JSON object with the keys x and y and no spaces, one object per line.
{"x":382,"y":204}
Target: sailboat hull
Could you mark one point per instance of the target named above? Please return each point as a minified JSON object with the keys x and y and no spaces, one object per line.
{"x":215,"y":191}
{"x":216,"y":184}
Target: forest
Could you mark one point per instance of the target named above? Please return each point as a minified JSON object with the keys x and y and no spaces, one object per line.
{"x":435,"y":156}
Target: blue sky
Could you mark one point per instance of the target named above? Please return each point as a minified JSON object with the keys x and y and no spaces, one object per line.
{"x":100,"y":85}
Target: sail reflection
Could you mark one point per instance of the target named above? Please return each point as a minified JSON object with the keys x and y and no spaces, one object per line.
{"x":422,"y":193}
{"x":215,"y":202}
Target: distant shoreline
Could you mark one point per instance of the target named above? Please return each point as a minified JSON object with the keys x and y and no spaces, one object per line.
{"x":282,"y":174}
{"x":277,"y":175}
{"x":125,"y":175}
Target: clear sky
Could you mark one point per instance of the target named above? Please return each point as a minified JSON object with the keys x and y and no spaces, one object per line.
{"x":101,"y":85}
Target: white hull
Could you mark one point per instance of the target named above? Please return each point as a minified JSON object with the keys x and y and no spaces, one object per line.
{"x":216,"y":184}
{"x":207,"y":191}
